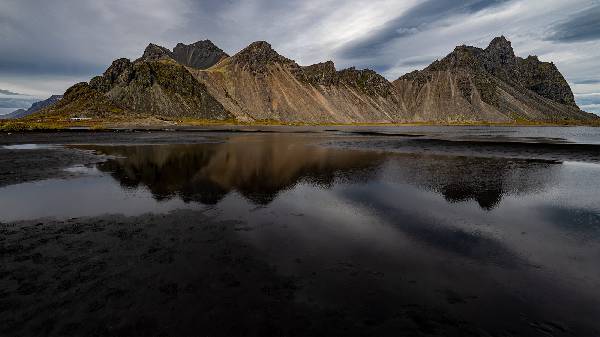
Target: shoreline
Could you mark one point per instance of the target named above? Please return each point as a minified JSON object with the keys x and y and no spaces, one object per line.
{"x":26,"y":126}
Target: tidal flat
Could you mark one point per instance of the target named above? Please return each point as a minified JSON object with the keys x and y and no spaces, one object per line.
{"x":403,"y":231}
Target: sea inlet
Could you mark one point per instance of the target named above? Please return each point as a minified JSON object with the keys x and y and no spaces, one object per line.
{"x":408,"y":231}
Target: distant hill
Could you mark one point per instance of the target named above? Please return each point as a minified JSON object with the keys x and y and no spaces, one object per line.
{"x":200,"y":81}
{"x":35,"y":107}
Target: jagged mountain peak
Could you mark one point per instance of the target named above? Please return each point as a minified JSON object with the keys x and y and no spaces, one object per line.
{"x":258,"y":55}
{"x":461,"y":57}
{"x":154,"y":52}
{"x":323,"y":73}
{"x":327,"y":67}
{"x":259,"y":49}
{"x":199,"y":44}
{"x":260,"y":45}
{"x":201,"y":54}
{"x":500,"y":53}
{"x":500,"y":42}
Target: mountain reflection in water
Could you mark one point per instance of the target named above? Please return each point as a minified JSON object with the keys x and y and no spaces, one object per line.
{"x":309,"y":231}
{"x":259,"y":168}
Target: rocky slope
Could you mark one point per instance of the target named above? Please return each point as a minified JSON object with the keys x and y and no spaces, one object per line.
{"x":163,"y":88}
{"x":492,"y":84}
{"x":200,"y":81}
{"x":259,"y":84}
{"x":155,"y":86}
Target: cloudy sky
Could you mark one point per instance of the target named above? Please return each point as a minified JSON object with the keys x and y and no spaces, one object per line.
{"x":46,"y":46}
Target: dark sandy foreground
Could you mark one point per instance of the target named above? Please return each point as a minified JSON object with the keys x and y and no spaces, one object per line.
{"x":177,"y":274}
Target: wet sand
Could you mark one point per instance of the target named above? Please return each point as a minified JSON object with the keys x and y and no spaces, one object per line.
{"x":181,"y":274}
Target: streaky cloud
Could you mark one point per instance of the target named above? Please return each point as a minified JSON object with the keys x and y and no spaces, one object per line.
{"x":581,"y":27}
{"x":411,"y":22}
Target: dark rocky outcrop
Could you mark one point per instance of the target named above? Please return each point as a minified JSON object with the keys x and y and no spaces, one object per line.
{"x":163,"y":88}
{"x":365,"y":80}
{"x":320,"y":74}
{"x":258,"y":56}
{"x":200,"y":55}
{"x":544,"y":79}
{"x":155,"y":52}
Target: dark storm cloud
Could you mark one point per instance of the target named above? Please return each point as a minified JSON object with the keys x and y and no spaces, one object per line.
{"x":583,"y":26}
{"x":34,"y":46}
{"x":69,"y":67}
{"x":412,"y":22}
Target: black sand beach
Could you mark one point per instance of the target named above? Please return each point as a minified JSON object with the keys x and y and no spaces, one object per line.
{"x":391,"y":232}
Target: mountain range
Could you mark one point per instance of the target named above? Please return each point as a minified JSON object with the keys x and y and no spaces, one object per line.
{"x":35,"y":107}
{"x":201,"y":82}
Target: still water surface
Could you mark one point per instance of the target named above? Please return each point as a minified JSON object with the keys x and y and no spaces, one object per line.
{"x":514,"y":235}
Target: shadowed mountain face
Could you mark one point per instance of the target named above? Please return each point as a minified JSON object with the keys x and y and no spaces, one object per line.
{"x":201,"y":81}
{"x":162,"y":87}
{"x":200,"y":55}
{"x":260,"y":168}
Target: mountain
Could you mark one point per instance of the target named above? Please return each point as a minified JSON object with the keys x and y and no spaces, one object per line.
{"x":489,"y":84}
{"x":158,"y":87}
{"x":199,"y":55}
{"x":35,"y":107}
{"x":259,"y":84}
{"x":200,"y":81}
{"x":153,"y":85}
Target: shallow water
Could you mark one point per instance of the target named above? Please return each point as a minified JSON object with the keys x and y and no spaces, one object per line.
{"x":368,"y":224}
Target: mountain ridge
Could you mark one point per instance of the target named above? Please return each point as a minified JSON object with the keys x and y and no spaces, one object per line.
{"x":200,"y":81}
